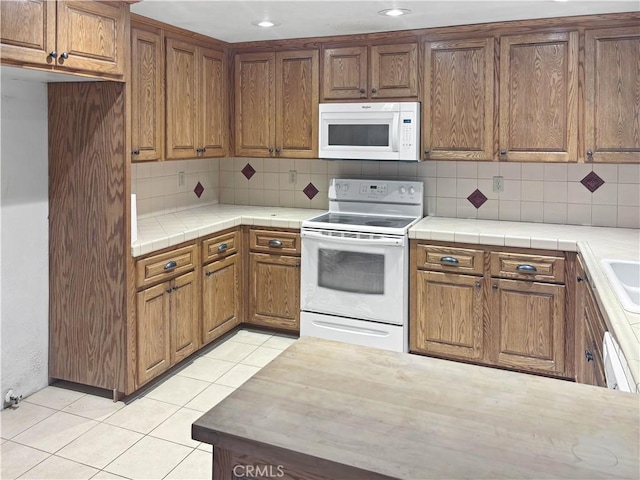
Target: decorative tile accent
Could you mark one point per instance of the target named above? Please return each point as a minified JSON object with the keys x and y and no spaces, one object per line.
{"x":198,"y":190}
{"x":592,"y":182}
{"x":310,"y":191}
{"x":477,"y":198}
{"x":248,"y":171}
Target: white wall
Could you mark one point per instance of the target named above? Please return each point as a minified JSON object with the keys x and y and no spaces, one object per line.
{"x":24,"y":285}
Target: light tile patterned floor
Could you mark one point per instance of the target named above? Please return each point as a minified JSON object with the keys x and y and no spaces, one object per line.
{"x":60,"y":433}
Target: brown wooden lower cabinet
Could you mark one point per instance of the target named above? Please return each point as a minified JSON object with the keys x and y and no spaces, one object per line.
{"x":274,"y":293}
{"x":589,"y":334}
{"x":221,"y":299}
{"x":461,"y":309}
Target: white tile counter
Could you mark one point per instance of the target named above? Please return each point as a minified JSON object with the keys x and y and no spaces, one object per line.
{"x":593,"y":244}
{"x":162,"y":231}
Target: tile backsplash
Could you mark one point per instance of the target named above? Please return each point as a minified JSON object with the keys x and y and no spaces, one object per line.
{"x":156,"y":185}
{"x":533,"y":192}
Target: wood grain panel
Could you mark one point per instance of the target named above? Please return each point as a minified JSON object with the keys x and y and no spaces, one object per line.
{"x":220,"y":297}
{"x":612,"y":95}
{"x":274,"y":297}
{"x":254,"y":104}
{"x":538,"y":97}
{"x":296,"y":102}
{"x":158,"y":267}
{"x":458,"y":101}
{"x":213,"y":104}
{"x":185,"y":331}
{"x":433,"y":257}
{"x":394,"y":71}
{"x":181,"y":97}
{"x":28,"y":32}
{"x":147,"y":113}
{"x":153,"y":347}
{"x":87,"y":233}
{"x":449,"y":315}
{"x":529,"y":324}
{"x":345,"y":73}
{"x":93,"y":34}
{"x":220,"y":246}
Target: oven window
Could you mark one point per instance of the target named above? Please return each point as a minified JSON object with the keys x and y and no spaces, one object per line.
{"x":354,"y":272}
{"x":359,"y":135}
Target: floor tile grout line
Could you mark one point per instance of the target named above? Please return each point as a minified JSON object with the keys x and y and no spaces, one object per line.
{"x":49,"y":455}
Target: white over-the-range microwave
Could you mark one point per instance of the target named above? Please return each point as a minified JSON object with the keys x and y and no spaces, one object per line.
{"x":370,"y":131}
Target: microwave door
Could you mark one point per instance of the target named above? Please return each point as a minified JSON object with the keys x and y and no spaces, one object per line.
{"x":344,"y":136}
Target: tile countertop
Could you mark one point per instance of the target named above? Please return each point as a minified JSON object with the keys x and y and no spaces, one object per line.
{"x":593,"y":244}
{"x":162,"y":231}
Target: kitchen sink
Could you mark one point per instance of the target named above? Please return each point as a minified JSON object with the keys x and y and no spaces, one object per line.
{"x":625,"y":278}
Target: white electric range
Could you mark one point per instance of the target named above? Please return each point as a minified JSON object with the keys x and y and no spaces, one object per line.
{"x":355,"y":263}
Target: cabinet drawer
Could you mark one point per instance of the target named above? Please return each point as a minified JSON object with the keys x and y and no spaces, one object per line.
{"x":164,"y":266}
{"x":275,"y":241}
{"x":220,"y":246}
{"x":527,"y":267}
{"x":449,"y":259}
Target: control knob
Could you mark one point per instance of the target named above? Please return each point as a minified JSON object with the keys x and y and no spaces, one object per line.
{"x":345,"y":187}
{"x":412,"y":190}
{"x":403,"y":189}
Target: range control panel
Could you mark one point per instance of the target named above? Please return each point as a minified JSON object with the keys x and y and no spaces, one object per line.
{"x":382,"y":191}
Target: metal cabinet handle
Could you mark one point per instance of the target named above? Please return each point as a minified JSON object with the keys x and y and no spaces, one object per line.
{"x":270,"y":150}
{"x":204,"y":149}
{"x":373,"y":90}
{"x":426,"y":153}
{"x":478,"y":285}
{"x":53,"y":54}
{"x":588,"y":355}
{"x":580,"y":279}
{"x":175,"y":288}
{"x":208,"y":274}
{"x":64,"y":55}
{"x":168,"y":290}
{"x":526,"y":269}
{"x":362,"y":90}
{"x":590,"y":155}
{"x":494,"y":286}
{"x":451,"y":260}
{"x":170,"y":265}
{"x":135,"y":152}
{"x":275,"y":243}
{"x":222,"y":247}
{"x":278,"y":151}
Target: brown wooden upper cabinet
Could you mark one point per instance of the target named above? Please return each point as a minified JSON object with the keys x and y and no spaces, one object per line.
{"x":147,"y":98}
{"x":539,"y":97}
{"x":458,"y":101}
{"x":196,"y":96}
{"x":375,"y":72}
{"x":86,"y":36}
{"x":276,"y":104}
{"x":612,"y":99}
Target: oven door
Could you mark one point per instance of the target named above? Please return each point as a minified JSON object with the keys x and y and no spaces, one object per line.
{"x":355,"y":275}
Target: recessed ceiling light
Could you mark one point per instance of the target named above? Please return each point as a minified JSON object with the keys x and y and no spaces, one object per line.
{"x":394,"y":12}
{"x":265,"y":23}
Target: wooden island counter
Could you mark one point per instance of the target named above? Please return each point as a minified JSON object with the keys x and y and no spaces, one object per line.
{"x":330,"y":410}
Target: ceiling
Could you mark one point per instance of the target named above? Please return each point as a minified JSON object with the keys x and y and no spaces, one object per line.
{"x":230,"y":21}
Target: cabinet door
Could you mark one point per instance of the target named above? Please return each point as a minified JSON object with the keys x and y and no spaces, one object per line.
{"x":182,"y":100}
{"x":458,"y":101}
{"x":213,"y":104}
{"x":28,"y":32}
{"x":345,"y":73}
{"x":448,"y":319}
{"x":612,"y":100}
{"x":147,"y":115}
{"x":274,"y":291}
{"x":220,"y":297}
{"x":527,"y":325}
{"x":297,"y":98}
{"x":184,"y":317}
{"x":539,"y":97}
{"x":93,"y":36}
{"x":254,"y":105}
{"x":153,"y":348}
{"x":394,"y":71}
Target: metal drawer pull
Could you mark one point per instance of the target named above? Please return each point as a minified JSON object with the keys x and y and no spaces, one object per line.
{"x":208,"y":274}
{"x":170,"y":265}
{"x":451,"y":260}
{"x":275,"y":243}
{"x":526,"y":269}
{"x":222,"y":247}
{"x":588,"y":355}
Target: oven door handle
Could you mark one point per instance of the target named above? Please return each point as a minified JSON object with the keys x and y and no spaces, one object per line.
{"x":386,"y":241}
